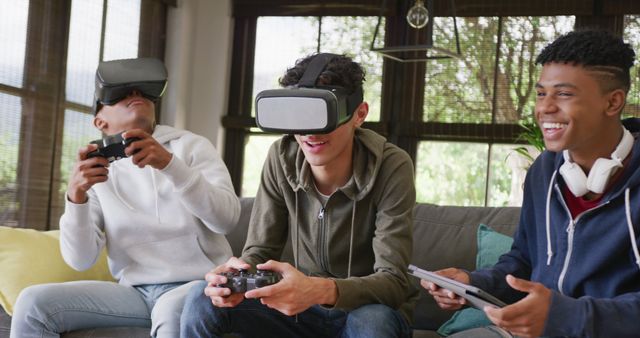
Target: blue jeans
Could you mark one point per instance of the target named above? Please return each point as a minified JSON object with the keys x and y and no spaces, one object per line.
{"x":252,"y":319}
{"x":47,"y":310}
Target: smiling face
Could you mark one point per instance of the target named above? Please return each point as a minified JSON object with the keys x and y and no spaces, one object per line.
{"x":332,"y":152}
{"x":133,"y":112}
{"x":575,"y":113}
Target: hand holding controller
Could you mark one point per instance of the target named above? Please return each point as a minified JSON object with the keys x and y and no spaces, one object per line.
{"x":112,"y":147}
{"x":243,"y":281}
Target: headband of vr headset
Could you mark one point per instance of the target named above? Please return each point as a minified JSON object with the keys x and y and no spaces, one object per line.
{"x":118,"y":78}
{"x":307,"y":108}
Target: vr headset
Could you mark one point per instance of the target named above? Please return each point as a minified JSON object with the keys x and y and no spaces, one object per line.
{"x":118,"y":78}
{"x":306,"y":108}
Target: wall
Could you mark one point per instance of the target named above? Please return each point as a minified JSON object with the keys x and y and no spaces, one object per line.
{"x":198,"y":54}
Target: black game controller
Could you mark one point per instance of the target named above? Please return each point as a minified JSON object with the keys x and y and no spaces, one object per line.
{"x":243,"y":281}
{"x":111,"y":147}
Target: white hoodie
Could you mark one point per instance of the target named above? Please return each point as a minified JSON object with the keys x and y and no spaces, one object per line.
{"x":159,"y":226}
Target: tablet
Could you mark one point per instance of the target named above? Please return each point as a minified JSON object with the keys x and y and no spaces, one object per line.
{"x":476,"y":297}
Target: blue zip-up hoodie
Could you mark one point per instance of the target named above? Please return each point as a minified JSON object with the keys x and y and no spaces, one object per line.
{"x":591,"y":263}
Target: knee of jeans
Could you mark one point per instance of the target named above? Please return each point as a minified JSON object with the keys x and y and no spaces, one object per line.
{"x":196,"y":303}
{"x":375,"y":320}
{"x":165,"y":315}
{"x":373,"y":313}
{"x":165,"y":318}
{"x":33,"y":304}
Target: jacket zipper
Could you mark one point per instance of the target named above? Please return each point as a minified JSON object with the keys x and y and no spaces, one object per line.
{"x":570,"y":231}
{"x":322,"y":239}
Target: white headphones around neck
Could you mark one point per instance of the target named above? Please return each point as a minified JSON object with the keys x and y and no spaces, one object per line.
{"x":602,"y":169}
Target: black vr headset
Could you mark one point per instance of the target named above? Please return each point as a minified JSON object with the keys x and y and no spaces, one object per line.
{"x":307,"y":108}
{"x":118,"y":78}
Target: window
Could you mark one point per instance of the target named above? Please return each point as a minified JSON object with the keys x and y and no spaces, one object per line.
{"x":11,"y":109}
{"x":13,"y":34}
{"x":46,"y":92}
{"x":471,"y":90}
{"x":632,"y":36}
{"x":255,"y":152}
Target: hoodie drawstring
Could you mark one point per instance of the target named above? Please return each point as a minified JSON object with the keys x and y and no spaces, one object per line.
{"x":353,"y":217}
{"x":632,"y":233}
{"x":155,"y":190}
{"x":115,"y":187}
{"x":548,"y":218}
{"x":295,"y":256}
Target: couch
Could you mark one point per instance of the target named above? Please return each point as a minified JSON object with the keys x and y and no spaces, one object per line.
{"x":444,"y":236}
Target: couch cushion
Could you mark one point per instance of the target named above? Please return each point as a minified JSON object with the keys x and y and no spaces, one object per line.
{"x":40,"y":252}
{"x":135,"y":332}
{"x":5,"y":324}
{"x":238,"y":236}
{"x":128,"y":332}
{"x":445,"y":236}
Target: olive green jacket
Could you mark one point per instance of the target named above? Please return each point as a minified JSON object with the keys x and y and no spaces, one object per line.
{"x":361,"y":238}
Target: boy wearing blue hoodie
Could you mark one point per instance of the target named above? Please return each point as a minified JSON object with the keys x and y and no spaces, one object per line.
{"x":574,"y":267}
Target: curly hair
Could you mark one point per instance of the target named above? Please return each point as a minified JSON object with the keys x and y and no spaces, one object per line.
{"x":341,"y":71}
{"x":596,"y":50}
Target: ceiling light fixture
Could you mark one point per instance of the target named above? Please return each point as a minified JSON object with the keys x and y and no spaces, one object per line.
{"x":418,"y":17}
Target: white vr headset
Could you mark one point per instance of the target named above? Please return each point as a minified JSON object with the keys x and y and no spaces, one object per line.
{"x":602,"y":169}
{"x":307,"y":108}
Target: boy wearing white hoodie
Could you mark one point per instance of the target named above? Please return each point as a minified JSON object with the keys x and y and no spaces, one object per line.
{"x":161,"y":212}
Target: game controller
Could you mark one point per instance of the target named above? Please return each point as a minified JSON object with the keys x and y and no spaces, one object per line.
{"x":111,"y":147}
{"x":243,"y":281}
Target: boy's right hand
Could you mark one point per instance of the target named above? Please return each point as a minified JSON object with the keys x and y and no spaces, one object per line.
{"x":446,"y":299}
{"x":86,"y":172}
{"x":222,"y":297}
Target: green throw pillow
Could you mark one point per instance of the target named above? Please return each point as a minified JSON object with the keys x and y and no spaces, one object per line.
{"x":491,"y":245}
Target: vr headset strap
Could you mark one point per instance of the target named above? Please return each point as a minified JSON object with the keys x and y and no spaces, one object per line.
{"x":315,"y":67}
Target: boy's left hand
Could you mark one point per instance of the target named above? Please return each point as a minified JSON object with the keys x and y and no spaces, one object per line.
{"x":146,"y":150}
{"x":526,"y":317}
{"x":294,"y":293}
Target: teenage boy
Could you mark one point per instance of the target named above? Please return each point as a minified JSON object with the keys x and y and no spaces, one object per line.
{"x":161,"y":213}
{"x":345,"y":198}
{"x":574,"y":268}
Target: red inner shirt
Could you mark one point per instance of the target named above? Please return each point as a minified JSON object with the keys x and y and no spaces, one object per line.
{"x":577,"y":205}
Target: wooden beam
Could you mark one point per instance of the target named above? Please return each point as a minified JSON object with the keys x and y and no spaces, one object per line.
{"x":311,"y":8}
{"x":620,"y":7}
{"x":514,"y":8}
{"x":242,"y":8}
{"x":470,"y":132}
